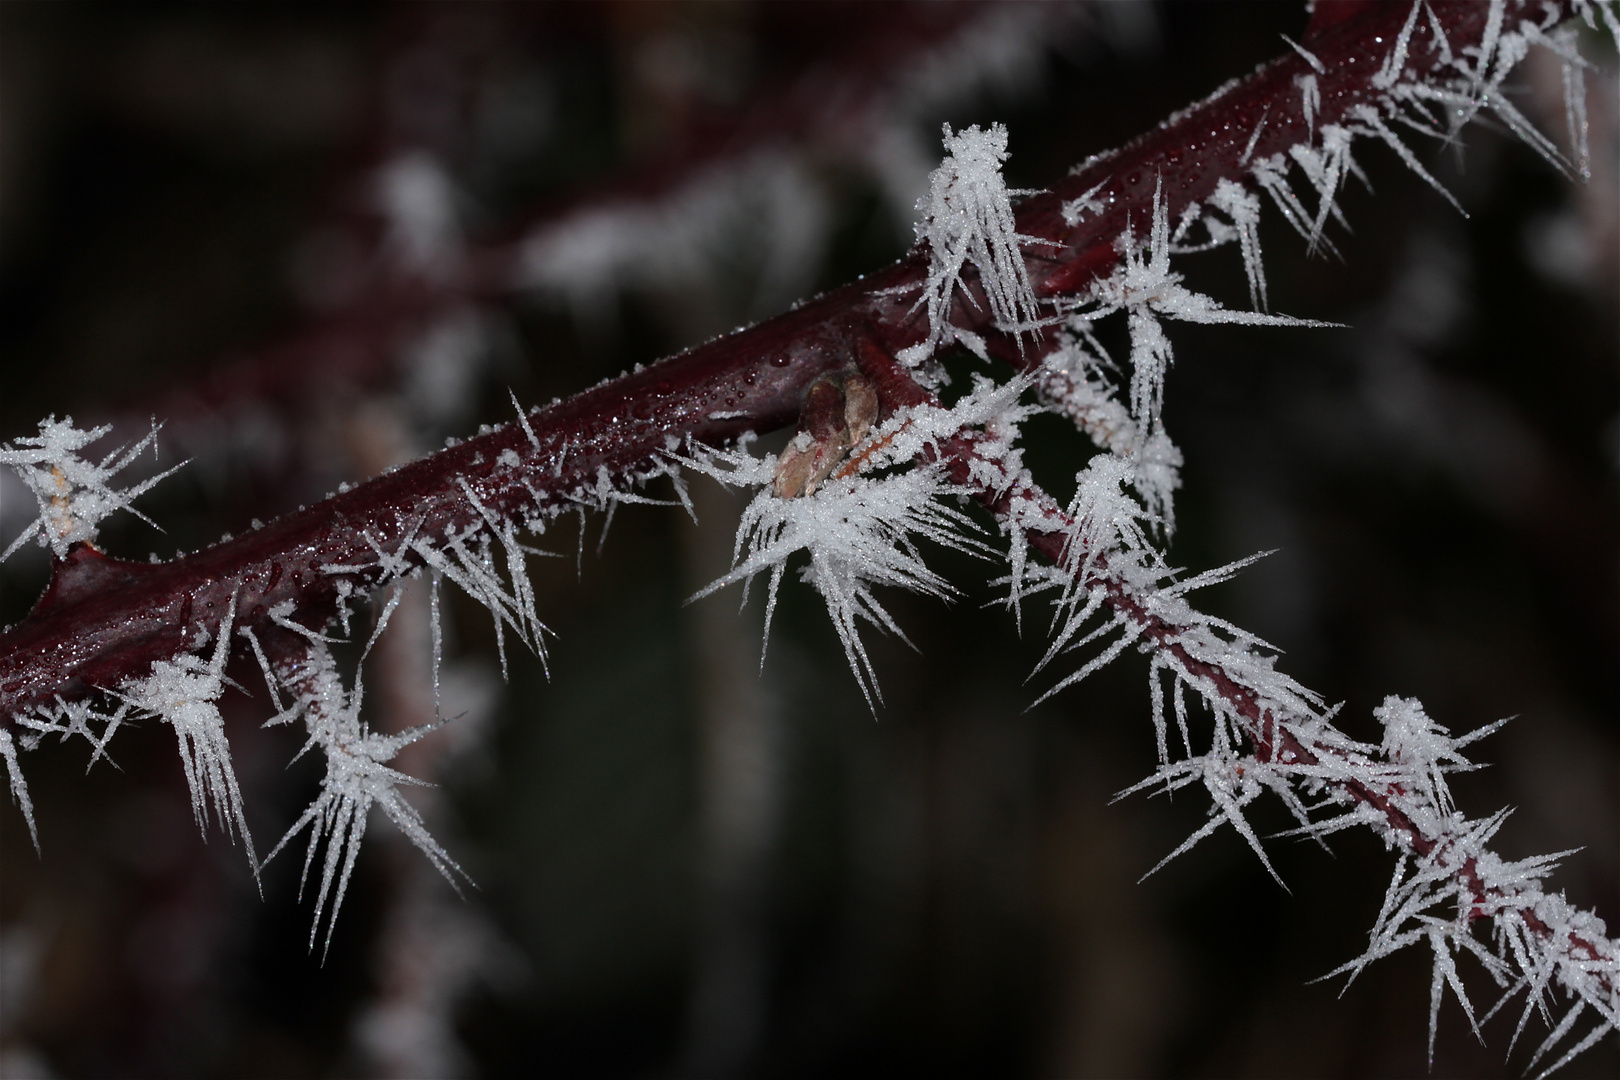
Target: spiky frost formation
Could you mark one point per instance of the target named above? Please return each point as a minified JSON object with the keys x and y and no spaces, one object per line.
{"x":859,"y":533}
{"x":74,"y":494}
{"x":1438,"y":101}
{"x":357,"y":778}
{"x":967,"y":217}
{"x":19,"y":786}
{"x":1447,"y":879}
{"x":467,"y":558}
{"x":1243,"y":207}
{"x":1539,"y":944}
{"x":183,"y":693}
{"x":861,"y":526}
{"x":1074,"y":382}
{"x":1147,"y":290}
{"x":486,"y":557}
{"x":1115,"y":591}
{"x":1268,"y":733}
{"x":64,"y":719}
{"x":860,"y":530}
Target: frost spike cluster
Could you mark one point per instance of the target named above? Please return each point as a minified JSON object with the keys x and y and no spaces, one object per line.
{"x":74,"y":493}
{"x":357,"y":777}
{"x":967,"y":217}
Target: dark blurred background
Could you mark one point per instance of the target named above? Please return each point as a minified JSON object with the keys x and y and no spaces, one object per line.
{"x":318,"y":239}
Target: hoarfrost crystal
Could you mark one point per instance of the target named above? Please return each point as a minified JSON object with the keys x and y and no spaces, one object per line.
{"x":967,"y":217}
{"x":183,"y":692}
{"x":74,"y":494}
{"x":357,"y":777}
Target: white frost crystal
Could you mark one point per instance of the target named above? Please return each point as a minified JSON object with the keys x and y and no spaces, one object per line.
{"x":183,"y":693}
{"x":967,"y":217}
{"x":860,"y":527}
{"x":357,"y":777}
{"x":19,"y":787}
{"x":73,"y":493}
{"x":858,"y":532}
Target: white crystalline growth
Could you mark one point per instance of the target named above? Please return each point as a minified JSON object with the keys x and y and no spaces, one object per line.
{"x":183,"y":693}
{"x":19,"y":786}
{"x":1243,"y":207}
{"x":859,"y":532}
{"x":1540,"y":944}
{"x":1108,"y":522}
{"x":967,"y":217}
{"x":66,"y":719}
{"x":467,"y":559}
{"x":357,"y":778}
{"x":1074,"y":382}
{"x":1438,"y":99}
{"x":63,"y":719}
{"x":74,"y":494}
{"x":1448,"y":881}
{"x":1326,"y":169}
{"x":1424,"y":751}
{"x":860,"y":528}
{"x":1147,"y":290}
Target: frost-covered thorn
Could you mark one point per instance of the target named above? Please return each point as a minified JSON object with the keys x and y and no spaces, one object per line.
{"x":183,"y":693}
{"x":1310,"y":57}
{"x":1395,"y":61}
{"x":523,"y":418}
{"x":73,"y":493}
{"x":966,"y":217}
